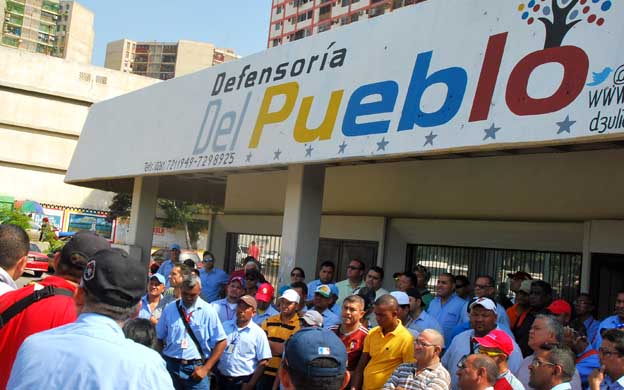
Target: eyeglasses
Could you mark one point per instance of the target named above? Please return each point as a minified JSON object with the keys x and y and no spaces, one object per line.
{"x":208,"y":260}
{"x":421,"y":343}
{"x":461,"y":364}
{"x":538,"y":363}
{"x":606,"y":353}
{"x":491,"y":353}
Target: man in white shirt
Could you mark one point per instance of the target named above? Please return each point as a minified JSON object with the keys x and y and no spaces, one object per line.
{"x":477,"y":372}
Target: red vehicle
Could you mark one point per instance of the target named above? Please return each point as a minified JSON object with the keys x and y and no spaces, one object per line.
{"x":37,"y":261}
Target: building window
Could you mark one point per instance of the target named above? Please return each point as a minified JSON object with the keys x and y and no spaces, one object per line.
{"x":278,"y":26}
{"x":561,"y":269}
{"x":278,"y":10}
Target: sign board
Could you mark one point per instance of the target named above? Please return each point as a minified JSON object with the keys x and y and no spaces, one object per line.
{"x":432,"y":77}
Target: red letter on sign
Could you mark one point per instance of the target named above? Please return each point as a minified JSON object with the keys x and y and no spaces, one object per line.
{"x":487,"y":79}
{"x":575,"y":67}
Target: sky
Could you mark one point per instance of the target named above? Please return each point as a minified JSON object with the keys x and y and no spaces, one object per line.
{"x":241,"y":25}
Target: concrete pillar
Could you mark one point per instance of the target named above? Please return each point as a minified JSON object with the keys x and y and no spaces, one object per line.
{"x":302,"y":220}
{"x":586,"y":262}
{"x":142,"y":216}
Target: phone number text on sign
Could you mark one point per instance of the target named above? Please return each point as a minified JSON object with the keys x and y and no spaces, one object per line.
{"x":194,"y":162}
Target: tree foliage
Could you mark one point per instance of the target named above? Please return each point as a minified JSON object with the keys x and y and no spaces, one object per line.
{"x":120,"y":207}
{"x":180,"y":214}
{"x":14,"y":217}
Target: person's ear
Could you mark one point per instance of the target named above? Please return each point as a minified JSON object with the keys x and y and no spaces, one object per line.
{"x":557,"y":370}
{"x":20,"y":267}
{"x":56,"y":260}
{"x":346,"y":379}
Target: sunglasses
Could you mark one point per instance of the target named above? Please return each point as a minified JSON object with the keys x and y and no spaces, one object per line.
{"x":491,"y":353}
{"x":460,"y":285}
{"x":296,"y":275}
{"x":607,"y":353}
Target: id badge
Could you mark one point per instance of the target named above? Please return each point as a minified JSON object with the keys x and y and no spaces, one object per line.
{"x":184,"y":344}
{"x":230,"y":348}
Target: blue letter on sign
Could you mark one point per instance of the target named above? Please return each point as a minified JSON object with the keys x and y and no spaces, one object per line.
{"x":388,"y":90}
{"x":455,"y":79}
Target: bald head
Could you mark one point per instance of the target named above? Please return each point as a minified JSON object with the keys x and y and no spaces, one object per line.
{"x":387,"y":300}
{"x":433,"y":336}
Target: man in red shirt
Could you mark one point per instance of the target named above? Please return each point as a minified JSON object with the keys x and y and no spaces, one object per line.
{"x":351,"y":331}
{"x":49,"y":312}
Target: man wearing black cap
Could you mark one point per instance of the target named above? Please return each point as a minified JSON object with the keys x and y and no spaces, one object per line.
{"x":314,"y":358}
{"x":50,"y":312}
{"x":93,"y":352}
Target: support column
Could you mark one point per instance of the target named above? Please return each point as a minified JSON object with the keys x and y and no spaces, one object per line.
{"x":586,"y":261}
{"x":142,"y":216}
{"x":302,"y":220}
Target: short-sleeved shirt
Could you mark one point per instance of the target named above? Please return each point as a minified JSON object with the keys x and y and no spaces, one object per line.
{"x":353,"y":342}
{"x":507,"y":381}
{"x":259,"y":318}
{"x":610,"y":384}
{"x":245,"y":348}
{"x":225,"y":310}
{"x":43,"y":315}
{"x":608,"y":323}
{"x":91,"y":353}
{"x":502,"y":319}
{"x":424,"y":321}
{"x":330,"y":319}
{"x":204,"y":323}
{"x":448,"y":314}
{"x":212,"y":283}
{"x":386,"y":352}
{"x":165,"y":269}
{"x":147,"y":313}
{"x":278,"y":331}
{"x":345,"y":289}
{"x":462,"y":346}
{"x":405,"y":376}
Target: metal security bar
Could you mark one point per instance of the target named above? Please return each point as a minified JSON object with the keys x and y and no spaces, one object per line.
{"x":561,"y":269}
{"x":268,"y":253}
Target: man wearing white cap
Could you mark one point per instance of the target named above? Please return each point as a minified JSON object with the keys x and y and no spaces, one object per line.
{"x":404,"y":307}
{"x":311,"y":318}
{"x":279,"y":328}
{"x":483,"y":319}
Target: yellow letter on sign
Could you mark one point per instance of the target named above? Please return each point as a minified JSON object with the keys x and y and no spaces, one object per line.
{"x":324,"y":131}
{"x":290,"y":90}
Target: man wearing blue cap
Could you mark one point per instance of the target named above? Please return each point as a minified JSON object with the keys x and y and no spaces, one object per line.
{"x":314,"y":358}
{"x":322,"y":300}
{"x":167,"y":265}
{"x":152,"y":303}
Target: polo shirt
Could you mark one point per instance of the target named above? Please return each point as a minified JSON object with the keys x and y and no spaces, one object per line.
{"x":592,"y":325}
{"x":405,"y":376}
{"x":212,"y":282}
{"x":586,"y":362}
{"x":6,"y":282}
{"x":145,"y":311}
{"x":260,"y":317}
{"x":278,"y":332}
{"x":386,"y":353}
{"x":165,"y":269}
{"x":424,"y":321}
{"x":610,"y":384}
{"x":91,"y":353}
{"x":426,"y":297}
{"x":608,"y":323}
{"x":330,"y":319}
{"x":448,"y":314}
{"x":345,"y":289}
{"x":507,"y":381}
{"x":353,"y":342}
{"x":462,"y":346}
{"x":225,"y":310}
{"x":245,"y":348}
{"x":522,"y":373}
{"x":43,"y":315}
{"x":204,"y":323}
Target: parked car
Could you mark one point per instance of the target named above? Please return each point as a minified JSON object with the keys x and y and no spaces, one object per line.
{"x":162,"y":254}
{"x":37,"y":261}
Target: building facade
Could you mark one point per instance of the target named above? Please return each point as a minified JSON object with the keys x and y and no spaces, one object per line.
{"x":295,"y":19}
{"x":163,"y":60}
{"x":52,"y":27}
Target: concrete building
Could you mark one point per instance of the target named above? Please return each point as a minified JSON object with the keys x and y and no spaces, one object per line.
{"x":464,"y":145}
{"x":293,"y":20}
{"x":163,"y":60}
{"x":52,"y":27}
{"x":44,"y":102}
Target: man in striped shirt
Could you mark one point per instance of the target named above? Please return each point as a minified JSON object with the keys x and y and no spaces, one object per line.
{"x":427,"y":373}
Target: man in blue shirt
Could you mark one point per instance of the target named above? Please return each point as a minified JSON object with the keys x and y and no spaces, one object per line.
{"x":446,"y":307}
{"x":247,"y":352}
{"x":322,"y":300}
{"x":611,"y":376}
{"x":167,"y":265}
{"x":326,"y":276}
{"x":484,"y":287}
{"x":152,"y":303}
{"x":93,"y":353}
{"x":616,"y":321}
{"x":420,"y":319}
{"x":188,"y":365}
{"x":213,"y":279}
{"x":226,"y":307}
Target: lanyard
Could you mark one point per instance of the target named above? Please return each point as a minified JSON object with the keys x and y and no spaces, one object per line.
{"x":586,"y":355}
{"x":188,"y":315}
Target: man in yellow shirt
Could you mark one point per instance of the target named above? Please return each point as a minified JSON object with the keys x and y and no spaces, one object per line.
{"x":385,"y":347}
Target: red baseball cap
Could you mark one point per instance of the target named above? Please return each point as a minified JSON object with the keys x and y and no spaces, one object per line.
{"x":265,"y":292}
{"x":560,"y":306}
{"x":497,"y":339}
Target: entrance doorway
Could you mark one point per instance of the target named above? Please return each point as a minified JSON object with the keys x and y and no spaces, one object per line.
{"x":607,"y":278}
{"x":341,"y":252}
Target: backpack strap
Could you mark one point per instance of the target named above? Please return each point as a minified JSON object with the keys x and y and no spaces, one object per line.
{"x":37,"y":295}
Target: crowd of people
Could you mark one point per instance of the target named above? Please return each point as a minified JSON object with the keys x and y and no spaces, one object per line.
{"x":102,"y":321}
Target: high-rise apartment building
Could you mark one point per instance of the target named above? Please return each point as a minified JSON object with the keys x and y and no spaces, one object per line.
{"x":163,"y":60}
{"x":53,"y":27}
{"x":296,"y":19}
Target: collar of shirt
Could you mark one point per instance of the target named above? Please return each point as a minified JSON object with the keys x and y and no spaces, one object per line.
{"x":7,"y":279}
{"x":563,"y":386}
{"x":193,"y":307}
{"x":621,"y":381}
{"x":394,"y":331}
